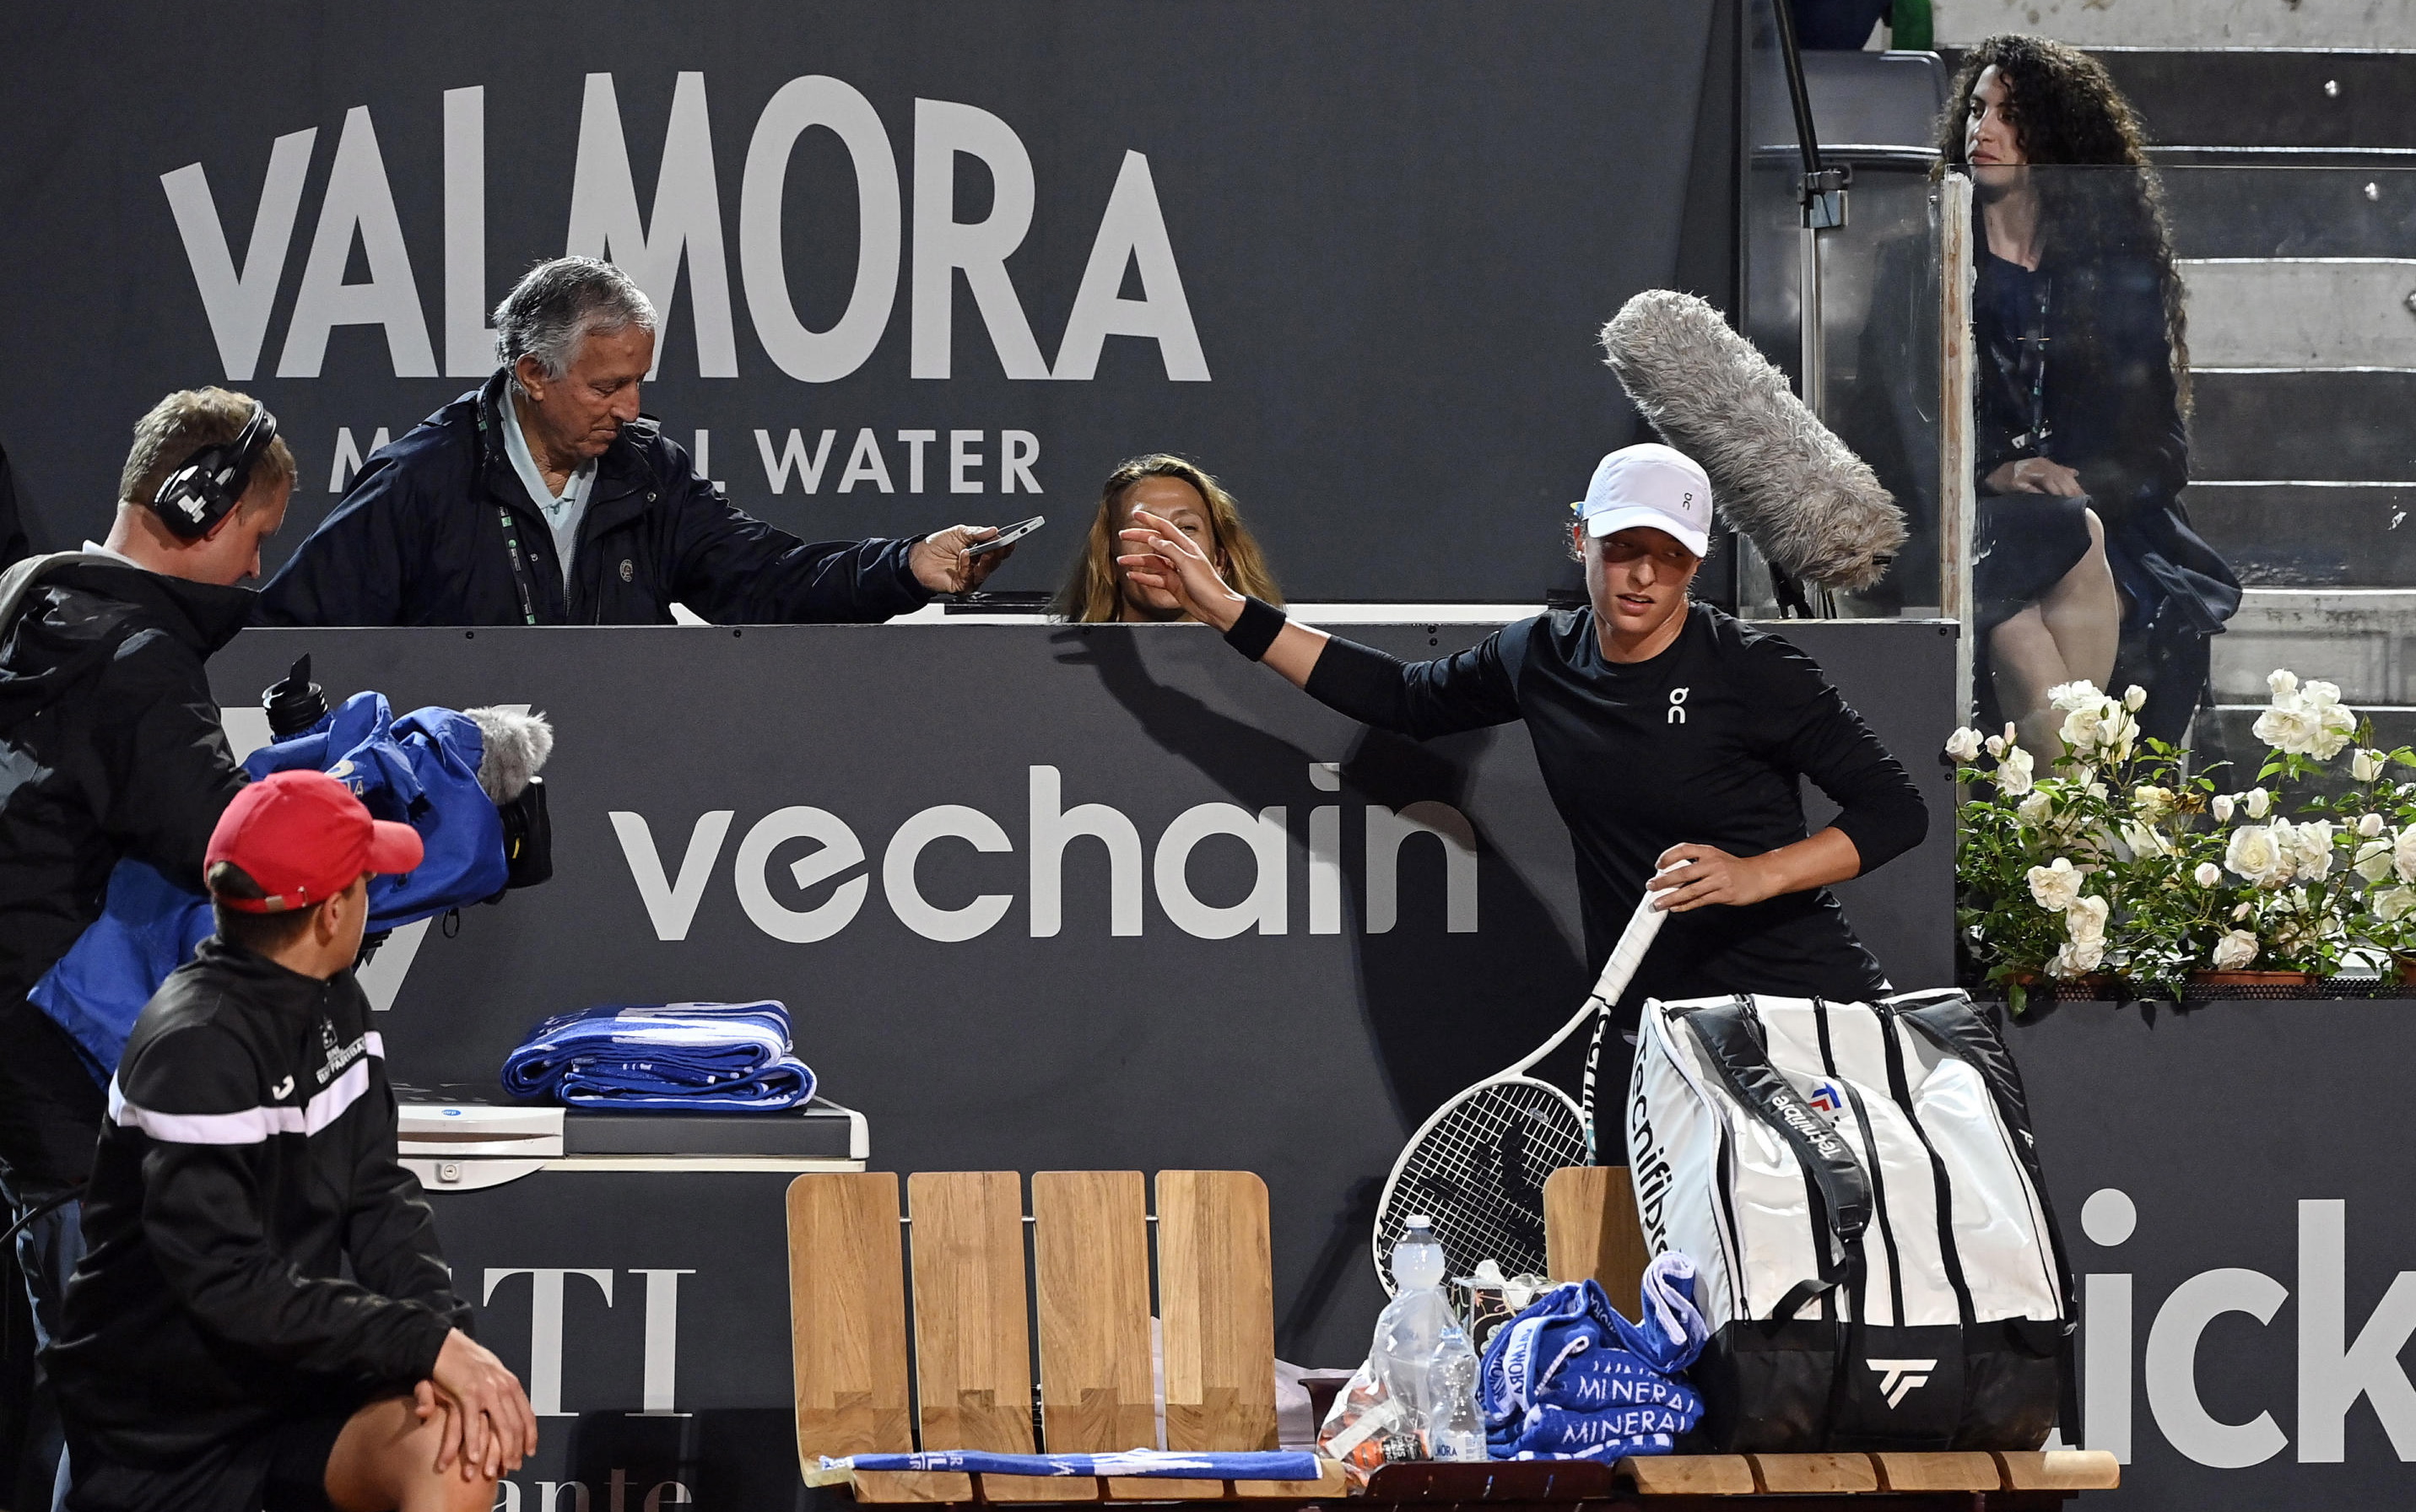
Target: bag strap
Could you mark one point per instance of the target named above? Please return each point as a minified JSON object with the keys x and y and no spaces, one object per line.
{"x":1729,"y":1035}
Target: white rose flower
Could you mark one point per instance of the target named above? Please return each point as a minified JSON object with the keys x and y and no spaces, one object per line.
{"x":2098,"y":790}
{"x":2118,"y":736}
{"x":2369,"y":825}
{"x":2403,"y":853}
{"x":1963,"y":745}
{"x":2152,"y":803}
{"x":2014,"y":772}
{"x":2373,"y":860}
{"x":2282,"y":684}
{"x":2055,"y":886}
{"x":2329,"y":725}
{"x":2221,"y":806}
{"x":2391,"y":904}
{"x":2365,"y":766}
{"x":2082,"y":726}
{"x":2311,"y":845}
{"x":2034,"y":809}
{"x":2286,"y":727}
{"x":2235,"y":950}
{"x":2079,"y":956}
{"x":1994,"y":745}
{"x":2259,"y":803}
{"x":2067,"y":696}
{"x":2242,"y":911}
{"x":2084,"y":922}
{"x":2144,"y":840}
{"x":2133,"y":696}
{"x":2207,"y":874}
{"x":2254,"y":854}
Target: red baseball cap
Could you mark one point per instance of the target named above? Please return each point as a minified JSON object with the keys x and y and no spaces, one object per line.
{"x":304,"y":838}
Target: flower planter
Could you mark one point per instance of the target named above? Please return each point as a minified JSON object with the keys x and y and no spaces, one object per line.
{"x":2253,"y":984}
{"x":2251,"y":979}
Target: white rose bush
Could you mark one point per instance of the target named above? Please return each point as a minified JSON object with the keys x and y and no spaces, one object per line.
{"x":2121,"y":862}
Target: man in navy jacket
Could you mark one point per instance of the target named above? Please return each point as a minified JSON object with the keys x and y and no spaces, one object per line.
{"x":544,"y":498}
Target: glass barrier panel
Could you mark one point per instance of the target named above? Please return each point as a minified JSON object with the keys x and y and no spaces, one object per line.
{"x":2192,"y":455}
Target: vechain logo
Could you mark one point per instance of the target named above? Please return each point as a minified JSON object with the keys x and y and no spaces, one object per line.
{"x":672,"y":892}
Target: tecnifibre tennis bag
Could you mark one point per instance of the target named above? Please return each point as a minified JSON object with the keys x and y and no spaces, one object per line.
{"x":1857,"y":1187}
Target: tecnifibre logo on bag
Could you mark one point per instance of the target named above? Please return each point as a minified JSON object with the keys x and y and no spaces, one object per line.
{"x":1899,"y":1379}
{"x":1649,"y":1165}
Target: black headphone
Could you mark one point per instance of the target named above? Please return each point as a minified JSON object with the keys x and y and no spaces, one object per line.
{"x":205,"y":489}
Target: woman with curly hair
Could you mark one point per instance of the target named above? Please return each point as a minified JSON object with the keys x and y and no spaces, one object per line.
{"x":1176,"y":489}
{"x":2086,"y":565}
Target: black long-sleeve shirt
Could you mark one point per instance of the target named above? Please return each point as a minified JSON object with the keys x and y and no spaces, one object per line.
{"x":1703,"y":743}
{"x":247,"y":1159}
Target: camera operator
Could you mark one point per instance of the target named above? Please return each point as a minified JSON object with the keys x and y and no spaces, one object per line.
{"x":544,"y":498}
{"x":109,"y":747}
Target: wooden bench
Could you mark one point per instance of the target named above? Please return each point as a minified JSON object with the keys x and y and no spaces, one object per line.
{"x":1072,"y":1306}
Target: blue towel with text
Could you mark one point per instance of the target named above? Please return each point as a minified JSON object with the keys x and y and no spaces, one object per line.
{"x":1570,"y":1377}
{"x":720,"y":1057}
{"x":1236,"y":1465}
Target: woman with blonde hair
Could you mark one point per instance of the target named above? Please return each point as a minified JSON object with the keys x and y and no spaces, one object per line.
{"x":1098,"y":589}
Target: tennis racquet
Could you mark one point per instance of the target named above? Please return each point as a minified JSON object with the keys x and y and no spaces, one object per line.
{"x":1476,"y":1166}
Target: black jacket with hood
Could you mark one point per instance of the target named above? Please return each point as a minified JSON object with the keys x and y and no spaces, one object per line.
{"x":110,"y":742}
{"x":109,"y":747}
{"x":438,"y":529}
{"x":254,"y":1246}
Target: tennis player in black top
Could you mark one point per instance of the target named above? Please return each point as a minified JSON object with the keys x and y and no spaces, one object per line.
{"x":1668,"y":732}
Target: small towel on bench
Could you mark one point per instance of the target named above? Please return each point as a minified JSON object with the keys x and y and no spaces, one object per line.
{"x":1206,"y":1465}
{"x":700,"y":1056}
{"x":1571,"y":1378}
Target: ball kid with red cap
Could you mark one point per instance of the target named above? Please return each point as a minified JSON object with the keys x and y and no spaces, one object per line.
{"x":262,"y":1319}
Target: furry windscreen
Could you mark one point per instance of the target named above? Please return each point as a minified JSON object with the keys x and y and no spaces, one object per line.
{"x":517,"y":746}
{"x":1777,"y":474}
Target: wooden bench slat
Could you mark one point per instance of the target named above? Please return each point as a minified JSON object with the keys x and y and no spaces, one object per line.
{"x":1331,"y":1481}
{"x":1090,"y":1241}
{"x":1802,"y":1473}
{"x":1955,"y":1470}
{"x":2059,"y":1470}
{"x":1039,"y":1488}
{"x":847,"y":1316}
{"x":890,"y":1486}
{"x":1688,"y":1475}
{"x":1591,"y":1229}
{"x":1216,"y":1292}
{"x":973,"y":1349}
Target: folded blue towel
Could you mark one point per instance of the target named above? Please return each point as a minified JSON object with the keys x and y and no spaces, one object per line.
{"x":718,"y":1056}
{"x":1563,"y":1433}
{"x":1237,"y":1464}
{"x":1570,"y":1376}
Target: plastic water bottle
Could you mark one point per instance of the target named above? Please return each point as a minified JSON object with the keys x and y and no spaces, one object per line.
{"x":1455,"y":1427}
{"x":1409,"y":1331}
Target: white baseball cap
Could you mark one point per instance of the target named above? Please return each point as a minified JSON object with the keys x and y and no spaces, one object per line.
{"x":1649,"y":484}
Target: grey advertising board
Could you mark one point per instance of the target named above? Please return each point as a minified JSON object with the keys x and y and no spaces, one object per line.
{"x":845,"y":817}
{"x":911,"y":254}
{"x":2232,"y":1183}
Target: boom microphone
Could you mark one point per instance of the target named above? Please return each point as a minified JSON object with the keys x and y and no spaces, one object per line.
{"x":1777,"y":474}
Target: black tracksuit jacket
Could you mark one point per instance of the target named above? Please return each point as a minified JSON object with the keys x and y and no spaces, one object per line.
{"x":109,"y":747}
{"x":249,"y":1160}
{"x":438,"y":529}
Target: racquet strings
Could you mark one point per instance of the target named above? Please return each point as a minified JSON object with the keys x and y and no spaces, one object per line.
{"x":1479,"y":1174}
